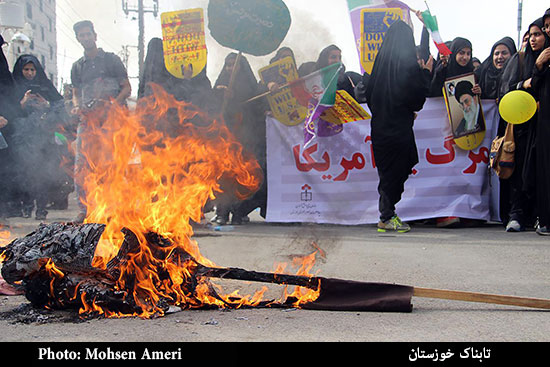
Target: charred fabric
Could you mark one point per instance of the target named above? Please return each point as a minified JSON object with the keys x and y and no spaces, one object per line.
{"x":53,"y":266}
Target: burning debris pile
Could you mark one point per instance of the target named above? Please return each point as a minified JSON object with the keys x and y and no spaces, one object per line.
{"x":148,"y":175}
{"x":53,"y":265}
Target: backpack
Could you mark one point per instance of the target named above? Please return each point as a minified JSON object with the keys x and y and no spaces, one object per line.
{"x":501,"y":157}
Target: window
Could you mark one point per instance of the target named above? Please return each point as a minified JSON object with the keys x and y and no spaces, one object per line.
{"x":29,"y":10}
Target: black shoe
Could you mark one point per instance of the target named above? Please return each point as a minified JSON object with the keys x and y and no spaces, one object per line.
{"x":236,"y":220}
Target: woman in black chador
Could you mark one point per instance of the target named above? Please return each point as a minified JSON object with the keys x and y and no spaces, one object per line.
{"x":8,"y":112}
{"x":37,"y":155}
{"x":541,"y":85}
{"x":397,"y":88}
{"x":347,"y":80}
{"x":247,"y":123}
{"x":187,"y":89}
{"x":518,"y":209}
{"x":458,"y":63}
{"x":489,"y":73}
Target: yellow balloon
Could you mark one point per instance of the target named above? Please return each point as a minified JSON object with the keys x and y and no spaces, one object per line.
{"x":517,"y":107}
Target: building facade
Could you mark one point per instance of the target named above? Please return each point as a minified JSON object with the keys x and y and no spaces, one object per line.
{"x":41,"y":16}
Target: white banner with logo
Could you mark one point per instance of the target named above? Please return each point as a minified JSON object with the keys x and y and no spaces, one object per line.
{"x":334,"y":180}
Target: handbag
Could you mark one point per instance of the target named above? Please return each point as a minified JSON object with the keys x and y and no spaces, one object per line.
{"x":501,"y":157}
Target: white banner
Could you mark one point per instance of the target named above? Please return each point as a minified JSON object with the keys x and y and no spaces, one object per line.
{"x":335,"y":180}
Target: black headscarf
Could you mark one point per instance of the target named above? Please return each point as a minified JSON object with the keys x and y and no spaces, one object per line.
{"x":453,"y":68}
{"x":520,"y":66}
{"x":6,"y":79}
{"x":322,"y":60}
{"x":245,"y":85}
{"x":279,"y":55}
{"x":346,"y":80}
{"x":40,"y":84}
{"x":397,"y":86}
{"x":7,"y":101}
{"x":488,"y":76}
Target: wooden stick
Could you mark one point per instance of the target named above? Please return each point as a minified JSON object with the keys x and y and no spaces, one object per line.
{"x":482,"y":297}
{"x":231,"y":80}
{"x":269,"y":92}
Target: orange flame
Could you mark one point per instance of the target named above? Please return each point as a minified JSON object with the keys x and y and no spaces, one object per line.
{"x":5,"y":236}
{"x":153,"y":170}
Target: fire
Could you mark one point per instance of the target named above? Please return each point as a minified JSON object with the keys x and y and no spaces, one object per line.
{"x":152,"y":170}
{"x":5,"y":236}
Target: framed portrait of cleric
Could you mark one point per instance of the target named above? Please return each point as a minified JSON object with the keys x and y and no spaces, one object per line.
{"x":463,"y":106}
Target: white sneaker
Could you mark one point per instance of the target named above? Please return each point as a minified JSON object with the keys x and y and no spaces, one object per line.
{"x":514,"y":226}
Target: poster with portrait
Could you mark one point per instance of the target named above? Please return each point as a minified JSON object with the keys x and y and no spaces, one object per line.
{"x":463,"y":106}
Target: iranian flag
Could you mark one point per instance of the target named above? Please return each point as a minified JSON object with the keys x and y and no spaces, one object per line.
{"x":430,"y":22}
{"x":316,"y":91}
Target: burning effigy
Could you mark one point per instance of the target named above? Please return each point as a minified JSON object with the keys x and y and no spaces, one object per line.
{"x":135,"y":254}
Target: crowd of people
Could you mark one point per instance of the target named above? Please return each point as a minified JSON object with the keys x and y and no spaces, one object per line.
{"x":39,"y":169}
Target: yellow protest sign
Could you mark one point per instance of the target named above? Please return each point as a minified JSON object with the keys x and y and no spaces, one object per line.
{"x":184,"y":41}
{"x":374,"y":25}
{"x":345,"y":109}
{"x":284,"y":106}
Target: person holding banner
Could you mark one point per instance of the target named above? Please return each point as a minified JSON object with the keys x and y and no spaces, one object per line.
{"x":518,"y":75}
{"x":396,"y":89}
{"x":541,"y":85}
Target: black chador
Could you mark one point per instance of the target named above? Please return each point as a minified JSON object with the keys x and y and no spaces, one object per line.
{"x":488,"y":76}
{"x":452,"y":68}
{"x":541,"y":85}
{"x":397,"y":88}
{"x":522,"y":183}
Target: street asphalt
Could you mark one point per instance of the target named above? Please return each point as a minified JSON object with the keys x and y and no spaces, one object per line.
{"x":480,"y":259}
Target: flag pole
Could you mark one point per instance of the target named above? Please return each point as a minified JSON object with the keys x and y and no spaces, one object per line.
{"x":481,"y":297}
{"x":231,"y":81}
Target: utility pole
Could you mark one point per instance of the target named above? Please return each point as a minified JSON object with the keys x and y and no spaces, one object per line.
{"x":520,"y":10}
{"x":141,"y":10}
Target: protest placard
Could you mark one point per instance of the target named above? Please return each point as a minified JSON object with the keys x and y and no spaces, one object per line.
{"x":255,"y":27}
{"x":374,"y":25}
{"x":284,"y":106}
{"x":184,"y":41}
